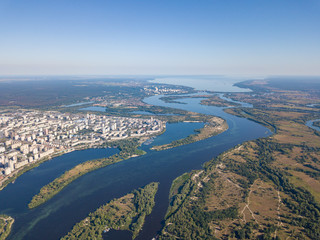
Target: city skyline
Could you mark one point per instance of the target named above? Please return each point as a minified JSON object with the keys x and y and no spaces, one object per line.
{"x":160,"y":37}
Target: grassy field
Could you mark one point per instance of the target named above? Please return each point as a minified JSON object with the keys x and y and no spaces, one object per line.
{"x":263,"y":189}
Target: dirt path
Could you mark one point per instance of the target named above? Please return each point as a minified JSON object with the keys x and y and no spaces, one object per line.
{"x":278,"y":213}
{"x":247,"y":207}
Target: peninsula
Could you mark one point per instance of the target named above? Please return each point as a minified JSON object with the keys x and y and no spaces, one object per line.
{"x":213,"y":127}
{"x":5,"y":226}
{"x":128,"y":148}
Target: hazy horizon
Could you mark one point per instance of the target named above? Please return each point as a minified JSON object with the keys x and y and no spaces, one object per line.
{"x":160,"y":37}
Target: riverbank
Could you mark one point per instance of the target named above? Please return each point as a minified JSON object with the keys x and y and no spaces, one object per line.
{"x":5,"y":226}
{"x":125,"y":213}
{"x":214,"y":127}
{"x":18,"y":172}
{"x":265,"y":188}
{"x":128,"y":150}
{"x":107,"y":183}
{"x":14,"y":175}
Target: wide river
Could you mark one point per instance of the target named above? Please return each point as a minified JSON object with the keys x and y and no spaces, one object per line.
{"x":55,"y":218}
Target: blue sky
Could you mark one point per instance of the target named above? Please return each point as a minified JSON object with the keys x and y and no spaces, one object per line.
{"x":266,"y":37}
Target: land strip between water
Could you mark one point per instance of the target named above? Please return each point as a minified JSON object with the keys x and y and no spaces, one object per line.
{"x":128,"y":149}
{"x":214,"y":127}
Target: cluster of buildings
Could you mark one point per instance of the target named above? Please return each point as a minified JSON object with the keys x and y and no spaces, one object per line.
{"x":156,"y":90}
{"x":28,"y":135}
{"x":129,"y":100}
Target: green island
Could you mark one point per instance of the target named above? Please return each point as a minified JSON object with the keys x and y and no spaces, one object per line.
{"x":214,"y":100}
{"x":128,"y":148}
{"x":214,"y":127}
{"x":5,"y":226}
{"x":267,"y":188}
{"x":209,"y":99}
{"x":125,"y":213}
{"x":173,"y":99}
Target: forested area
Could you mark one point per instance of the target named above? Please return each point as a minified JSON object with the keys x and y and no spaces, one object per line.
{"x":125,"y":213}
{"x":189,"y":218}
{"x":5,"y":226}
{"x":301,"y":202}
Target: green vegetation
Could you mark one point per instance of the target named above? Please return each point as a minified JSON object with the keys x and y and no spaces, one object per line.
{"x":270,"y":95}
{"x":173,"y":99}
{"x":128,"y":148}
{"x":263,"y":189}
{"x":127,"y":110}
{"x":252,"y":114}
{"x":125,"y":213}
{"x":217,"y":101}
{"x":186,"y":217}
{"x":210,"y":100}
{"x":24,"y":170}
{"x":214,"y":127}
{"x":64,"y":92}
{"x":53,"y":188}
{"x":199,"y":200}
{"x":5,"y":226}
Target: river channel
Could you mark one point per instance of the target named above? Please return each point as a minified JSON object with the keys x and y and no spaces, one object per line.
{"x":55,"y":218}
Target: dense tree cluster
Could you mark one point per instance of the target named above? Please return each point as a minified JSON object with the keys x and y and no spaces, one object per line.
{"x":5,"y":226}
{"x":189,"y":219}
{"x":126,"y":213}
